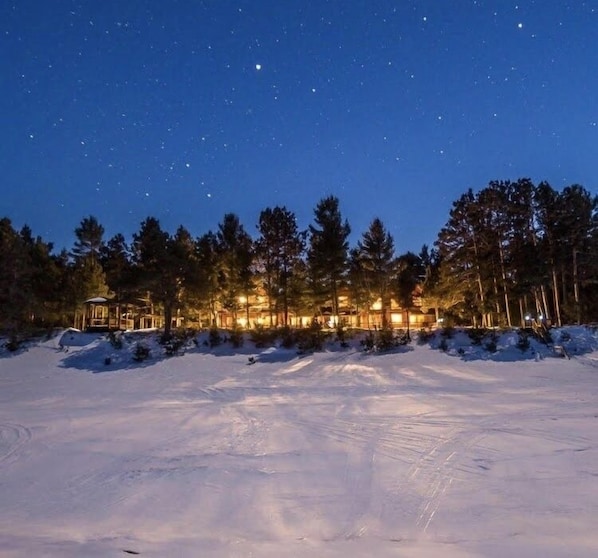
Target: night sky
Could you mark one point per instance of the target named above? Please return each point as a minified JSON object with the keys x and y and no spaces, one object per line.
{"x":187,"y":110}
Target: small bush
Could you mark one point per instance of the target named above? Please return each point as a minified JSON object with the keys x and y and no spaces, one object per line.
{"x":523,"y":342}
{"x":288,"y":338}
{"x":141,"y":352}
{"x":236,"y":337}
{"x":172,"y":342}
{"x":443,"y":346}
{"x":476,"y":335}
{"x":310,"y":339}
{"x":490,"y":345}
{"x":115,"y":339}
{"x":13,"y":344}
{"x":402,"y":337}
{"x":385,"y":340}
{"x":424,"y":336}
{"x":447,"y":332}
{"x":342,"y":335}
{"x":369,"y":341}
{"x":261,"y":337}
{"x":214,"y":337}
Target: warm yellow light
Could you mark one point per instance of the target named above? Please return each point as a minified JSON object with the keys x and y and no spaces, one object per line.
{"x":377,"y":305}
{"x":242,"y":299}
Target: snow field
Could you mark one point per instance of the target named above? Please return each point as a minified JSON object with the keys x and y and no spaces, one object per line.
{"x":411,"y":454}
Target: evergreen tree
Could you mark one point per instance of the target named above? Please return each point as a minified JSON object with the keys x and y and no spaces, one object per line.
{"x":15,"y":279}
{"x":464,"y":267}
{"x":328,"y":250}
{"x":206,"y":286}
{"x":548,"y":216}
{"x":580,"y":222}
{"x":362,"y":294}
{"x":278,"y":250}
{"x":115,"y":259}
{"x":89,"y":241}
{"x":88,"y":277}
{"x":411,"y":272}
{"x":235,"y":254}
{"x":166,"y":266}
{"x":375,"y":256}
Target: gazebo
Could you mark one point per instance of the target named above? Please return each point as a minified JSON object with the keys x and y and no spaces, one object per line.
{"x":102,"y":314}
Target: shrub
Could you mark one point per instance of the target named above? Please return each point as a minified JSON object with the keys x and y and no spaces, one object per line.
{"x":310,"y":339}
{"x":443,"y":346}
{"x":523,"y":342}
{"x":214,"y":337}
{"x":476,"y":335}
{"x":260,"y":336}
{"x":288,"y":338}
{"x":236,"y":337}
{"x":424,"y":336}
{"x":490,"y":345}
{"x":341,"y":335}
{"x":402,"y":337}
{"x":448,"y":332}
{"x":172,"y":342}
{"x":385,"y":340}
{"x":369,"y":341}
{"x":13,"y":344}
{"x":115,"y":339}
{"x":141,"y":352}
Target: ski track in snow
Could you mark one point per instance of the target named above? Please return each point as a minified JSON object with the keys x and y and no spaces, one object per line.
{"x":12,"y":439}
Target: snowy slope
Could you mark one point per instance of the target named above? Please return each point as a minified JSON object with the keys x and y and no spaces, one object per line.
{"x":412,"y":454}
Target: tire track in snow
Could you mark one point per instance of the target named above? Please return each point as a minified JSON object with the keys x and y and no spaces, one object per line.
{"x":440,"y":472}
{"x":12,"y":439}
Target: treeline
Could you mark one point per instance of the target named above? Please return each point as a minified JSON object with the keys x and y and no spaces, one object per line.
{"x":510,"y":250}
{"x":514,"y":250}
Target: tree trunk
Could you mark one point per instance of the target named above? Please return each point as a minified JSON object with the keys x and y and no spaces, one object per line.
{"x":576,"y":288}
{"x":555,"y":290}
{"x":504,"y":284}
{"x":546,"y":313}
{"x":168,"y":310}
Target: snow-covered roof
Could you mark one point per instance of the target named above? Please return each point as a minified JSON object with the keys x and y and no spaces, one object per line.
{"x":97,"y":299}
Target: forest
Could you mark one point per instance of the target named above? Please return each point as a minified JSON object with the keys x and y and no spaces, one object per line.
{"x":509,"y":253}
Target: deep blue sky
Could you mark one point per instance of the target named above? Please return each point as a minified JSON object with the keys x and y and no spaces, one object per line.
{"x":187,"y":110}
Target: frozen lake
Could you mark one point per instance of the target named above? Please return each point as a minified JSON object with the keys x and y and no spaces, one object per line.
{"x":342,"y":453}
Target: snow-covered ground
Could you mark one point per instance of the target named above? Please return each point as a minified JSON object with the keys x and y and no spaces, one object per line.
{"x":418,"y":453}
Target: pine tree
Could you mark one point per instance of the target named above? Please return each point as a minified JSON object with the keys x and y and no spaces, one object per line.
{"x":548,"y":216}
{"x":278,"y":249}
{"x":115,"y":258}
{"x":375,"y":255}
{"x":206,"y":283}
{"x":88,"y":277}
{"x":166,"y":266}
{"x":235,"y":254}
{"x":15,"y":280}
{"x":411,"y":271}
{"x":328,"y":250}
{"x":89,"y":239}
{"x":464,"y":268}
